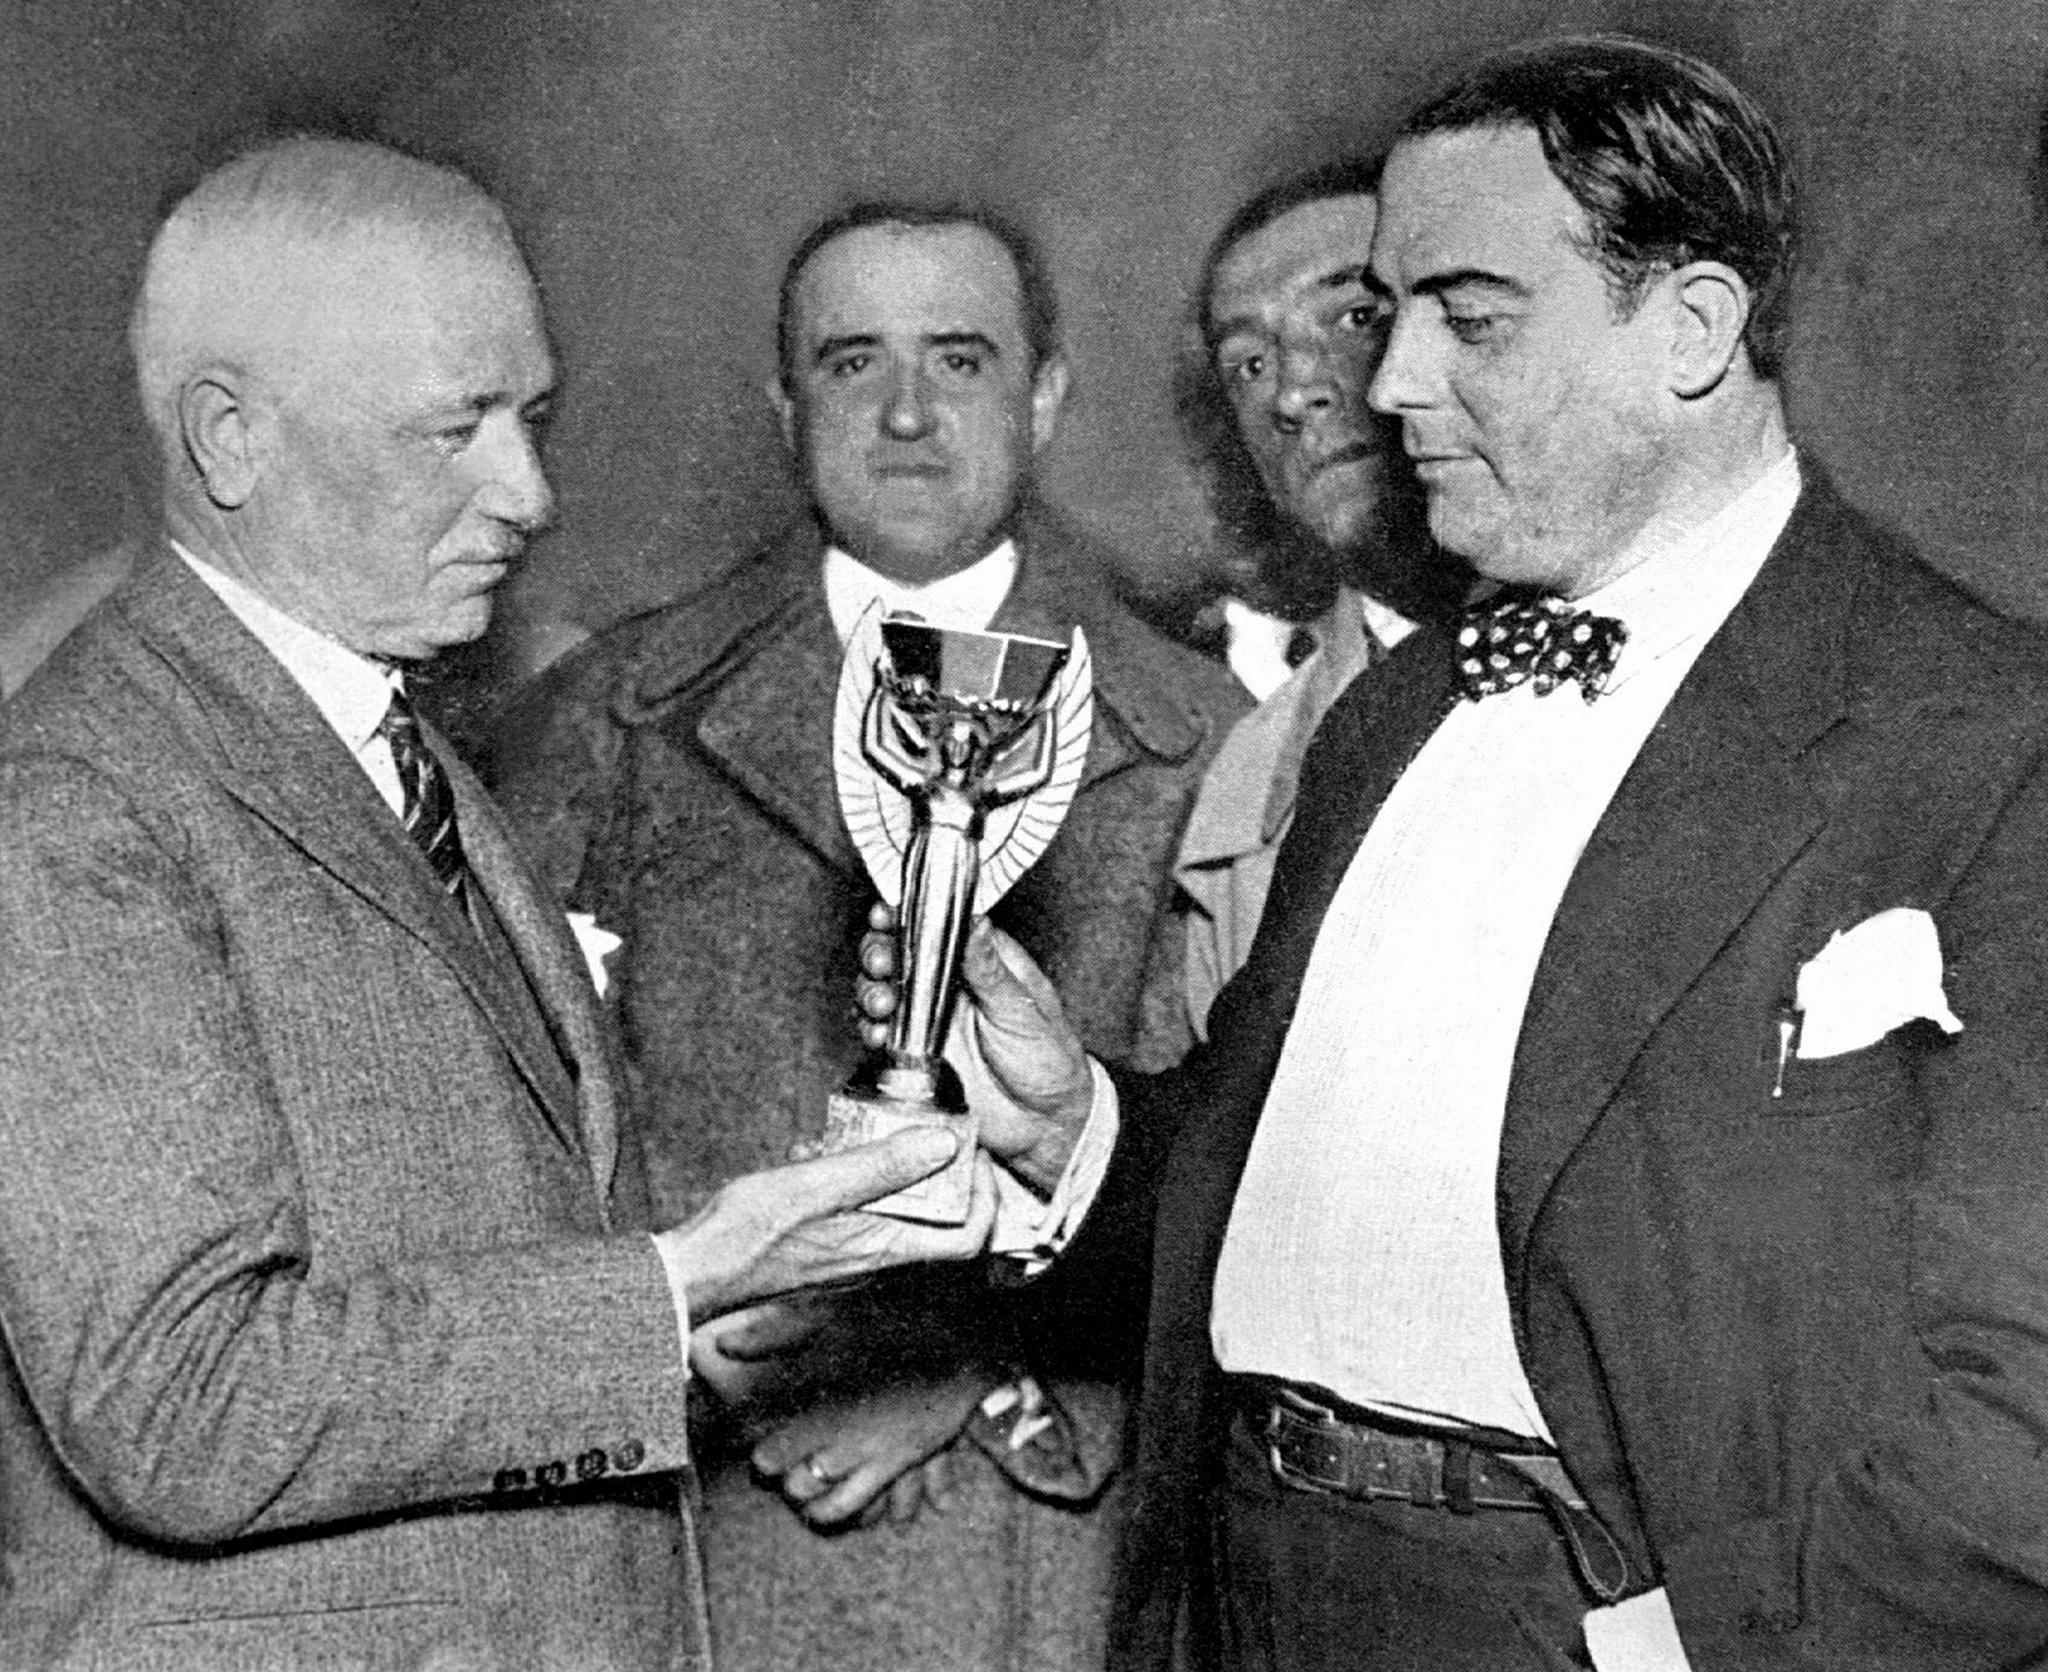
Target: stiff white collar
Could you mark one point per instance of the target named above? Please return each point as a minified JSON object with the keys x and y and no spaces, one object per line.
{"x":968,"y":597}
{"x":351,"y":691}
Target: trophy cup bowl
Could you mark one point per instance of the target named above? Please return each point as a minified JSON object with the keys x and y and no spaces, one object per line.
{"x":965,"y":750}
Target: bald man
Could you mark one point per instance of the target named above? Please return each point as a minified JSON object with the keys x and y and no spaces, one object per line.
{"x":335,"y":1334}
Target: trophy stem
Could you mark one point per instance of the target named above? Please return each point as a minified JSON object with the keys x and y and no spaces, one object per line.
{"x":939,"y":874}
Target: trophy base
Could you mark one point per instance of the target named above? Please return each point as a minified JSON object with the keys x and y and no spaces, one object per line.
{"x":871,"y":1107}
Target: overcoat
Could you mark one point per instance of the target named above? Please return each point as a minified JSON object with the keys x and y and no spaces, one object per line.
{"x":1791,"y":1335}
{"x":332,"y":1337}
{"x":676,"y":778}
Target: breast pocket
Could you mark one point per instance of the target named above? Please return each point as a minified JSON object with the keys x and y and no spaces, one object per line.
{"x":1853,"y":1083}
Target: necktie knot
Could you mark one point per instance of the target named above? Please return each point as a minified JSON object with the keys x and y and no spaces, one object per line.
{"x":429,"y":810}
{"x":1511,"y":641}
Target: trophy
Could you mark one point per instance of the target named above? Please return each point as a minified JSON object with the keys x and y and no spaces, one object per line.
{"x":957,"y":755}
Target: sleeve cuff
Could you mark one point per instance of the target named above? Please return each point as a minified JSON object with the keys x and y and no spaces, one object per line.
{"x":1032,"y":1232}
{"x":679,"y":1297}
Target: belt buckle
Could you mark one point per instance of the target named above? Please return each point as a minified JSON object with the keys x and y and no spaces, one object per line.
{"x":1287,"y":1405}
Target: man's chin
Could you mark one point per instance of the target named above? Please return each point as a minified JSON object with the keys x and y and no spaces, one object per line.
{"x":452,"y":627}
{"x":1340,"y":505}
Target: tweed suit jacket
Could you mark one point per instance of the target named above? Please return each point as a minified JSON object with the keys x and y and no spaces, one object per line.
{"x":1794,"y":1346}
{"x":332,"y":1335}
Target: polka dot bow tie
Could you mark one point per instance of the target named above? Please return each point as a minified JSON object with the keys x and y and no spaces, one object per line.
{"x":1507,"y":641}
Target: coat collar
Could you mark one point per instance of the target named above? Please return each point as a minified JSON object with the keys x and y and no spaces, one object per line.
{"x":284,"y":763}
{"x":1719,"y":802}
{"x":1249,"y":793}
{"x":749,"y":666}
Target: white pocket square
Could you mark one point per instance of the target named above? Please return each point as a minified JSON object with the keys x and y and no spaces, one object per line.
{"x":1868,"y":980}
{"x":597,"y":944}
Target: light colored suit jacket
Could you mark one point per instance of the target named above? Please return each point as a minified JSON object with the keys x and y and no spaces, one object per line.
{"x":1247,"y":802}
{"x":331,"y":1336}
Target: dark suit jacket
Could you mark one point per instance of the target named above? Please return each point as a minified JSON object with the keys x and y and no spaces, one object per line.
{"x":331,"y":1339}
{"x":1796,"y":1348}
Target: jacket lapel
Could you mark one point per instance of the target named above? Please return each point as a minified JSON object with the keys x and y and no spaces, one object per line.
{"x":1718,"y":803}
{"x":744,"y":675}
{"x":283,"y":762}
{"x":554,"y":968}
{"x":767,"y":722}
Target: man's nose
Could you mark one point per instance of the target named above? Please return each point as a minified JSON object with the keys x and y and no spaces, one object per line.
{"x":517,"y":491}
{"x":1402,"y":381}
{"x":907,"y":412}
{"x":1307,"y":386}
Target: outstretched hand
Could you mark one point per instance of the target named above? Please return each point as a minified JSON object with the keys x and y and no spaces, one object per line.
{"x":788,"y":1227}
{"x":1026,"y":1075}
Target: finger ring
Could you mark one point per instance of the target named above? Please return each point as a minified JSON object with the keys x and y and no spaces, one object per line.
{"x":817,"y":1474}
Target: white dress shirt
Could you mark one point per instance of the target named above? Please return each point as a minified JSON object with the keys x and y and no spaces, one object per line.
{"x":1362,"y":1254}
{"x":966,"y":598}
{"x":350,"y":691}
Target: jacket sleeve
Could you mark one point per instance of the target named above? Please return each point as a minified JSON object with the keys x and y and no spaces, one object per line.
{"x":1927,"y":1545}
{"x":200,"y":1377}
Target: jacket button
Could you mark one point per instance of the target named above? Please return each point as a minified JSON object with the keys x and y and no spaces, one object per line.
{"x":590,"y":1464}
{"x":551,"y":1473}
{"x":629,"y":1456}
{"x":509,"y":1480}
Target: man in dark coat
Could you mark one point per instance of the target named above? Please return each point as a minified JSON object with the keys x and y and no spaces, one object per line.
{"x":1675,"y":1290}
{"x":676,"y":779}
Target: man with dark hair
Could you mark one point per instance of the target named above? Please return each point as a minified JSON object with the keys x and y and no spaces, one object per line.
{"x":335,"y":1336}
{"x":677,"y":777}
{"x":1607,"y":1220}
{"x":1311,"y":494}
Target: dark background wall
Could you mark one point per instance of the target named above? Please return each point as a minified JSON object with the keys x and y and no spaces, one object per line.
{"x":660,"y":156}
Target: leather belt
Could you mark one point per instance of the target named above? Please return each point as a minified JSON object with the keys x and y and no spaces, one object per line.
{"x":1311,"y":1447}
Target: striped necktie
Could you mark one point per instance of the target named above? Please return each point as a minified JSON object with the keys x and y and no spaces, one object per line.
{"x":429,"y":813}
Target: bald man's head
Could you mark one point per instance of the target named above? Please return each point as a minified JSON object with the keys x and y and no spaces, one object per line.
{"x":282,"y":236}
{"x":343,"y":357}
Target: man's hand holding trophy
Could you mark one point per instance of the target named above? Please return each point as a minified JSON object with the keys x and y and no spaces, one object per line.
{"x":957,"y":754}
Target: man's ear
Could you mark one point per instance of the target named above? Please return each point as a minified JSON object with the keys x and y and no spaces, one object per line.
{"x":785,"y":412}
{"x":1711,"y":313}
{"x":1048,"y":396}
{"x":214,"y":422}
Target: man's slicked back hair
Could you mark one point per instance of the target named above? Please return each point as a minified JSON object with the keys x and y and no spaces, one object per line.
{"x":1039,"y":303}
{"x":1671,"y":162}
{"x":276,"y":216}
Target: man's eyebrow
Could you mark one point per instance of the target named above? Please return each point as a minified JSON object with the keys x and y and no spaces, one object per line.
{"x":839,"y":345}
{"x":963,"y":339}
{"x":1357,"y":273}
{"x":1461,"y":278}
{"x":1237,"y":324}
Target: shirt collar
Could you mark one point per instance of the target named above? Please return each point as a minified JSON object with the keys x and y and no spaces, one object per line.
{"x":1684,"y":591}
{"x":350,"y":691}
{"x":1384,"y":625}
{"x":966,"y":598}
